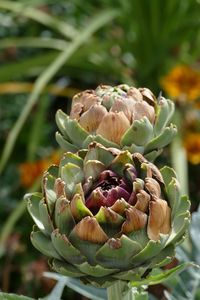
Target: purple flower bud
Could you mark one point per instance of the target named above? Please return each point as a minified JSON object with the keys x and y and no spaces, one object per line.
{"x":108,"y":189}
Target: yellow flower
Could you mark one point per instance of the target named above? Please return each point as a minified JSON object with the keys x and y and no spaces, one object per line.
{"x":192,"y":146}
{"x":30,"y":171}
{"x":182,"y":82}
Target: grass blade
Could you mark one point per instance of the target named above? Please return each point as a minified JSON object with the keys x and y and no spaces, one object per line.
{"x":41,"y":17}
{"x":15,"y":87}
{"x":47,"y":75}
{"x":34,"y":42}
{"x":15,"y":215}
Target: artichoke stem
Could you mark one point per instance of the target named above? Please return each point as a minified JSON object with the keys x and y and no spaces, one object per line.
{"x":120,"y":291}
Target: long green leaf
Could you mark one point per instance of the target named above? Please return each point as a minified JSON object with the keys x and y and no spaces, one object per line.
{"x":162,"y":276}
{"x":34,"y":42}
{"x":5,"y":296}
{"x":26,"y":66}
{"x":57,"y":291}
{"x":12,"y":219}
{"x":75,"y":284}
{"x":47,"y":75}
{"x":37,"y":15}
{"x":36,"y":133}
{"x":78,"y":66}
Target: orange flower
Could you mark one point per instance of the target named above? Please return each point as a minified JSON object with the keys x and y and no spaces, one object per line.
{"x":192,"y":146}
{"x":182,"y":82}
{"x":30,"y":171}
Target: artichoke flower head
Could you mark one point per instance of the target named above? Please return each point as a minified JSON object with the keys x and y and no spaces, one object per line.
{"x":106,"y":215}
{"x":122,"y":117}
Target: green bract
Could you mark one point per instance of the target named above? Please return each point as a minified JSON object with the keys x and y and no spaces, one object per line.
{"x":122,"y":117}
{"x":106,"y":215}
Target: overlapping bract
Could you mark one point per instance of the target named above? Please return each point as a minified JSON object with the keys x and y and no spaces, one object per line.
{"x":106,"y":215}
{"x":122,"y":117}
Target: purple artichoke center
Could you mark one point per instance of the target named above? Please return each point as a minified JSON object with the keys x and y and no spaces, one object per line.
{"x":107,"y":190}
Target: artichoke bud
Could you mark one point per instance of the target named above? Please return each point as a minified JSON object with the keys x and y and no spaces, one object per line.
{"x":121,"y":117}
{"x":103,"y":213}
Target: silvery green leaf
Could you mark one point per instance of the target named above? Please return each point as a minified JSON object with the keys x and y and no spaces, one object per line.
{"x":57,"y":291}
{"x":186,"y":285}
{"x":76,"y":285}
{"x":159,"y":276}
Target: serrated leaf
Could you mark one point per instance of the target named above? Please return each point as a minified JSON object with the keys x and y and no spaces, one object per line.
{"x":179,"y":227}
{"x":195,"y":233}
{"x":162,"y":276}
{"x":152,"y":249}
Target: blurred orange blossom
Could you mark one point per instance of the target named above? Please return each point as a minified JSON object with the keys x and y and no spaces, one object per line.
{"x":192,"y":145}
{"x":182,"y":82}
{"x":31,"y":171}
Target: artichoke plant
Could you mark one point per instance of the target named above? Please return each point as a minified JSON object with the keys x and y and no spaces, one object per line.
{"x":106,"y":215}
{"x":122,"y":117}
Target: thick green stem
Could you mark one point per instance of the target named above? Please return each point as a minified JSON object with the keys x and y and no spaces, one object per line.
{"x":119,"y":291}
{"x":178,"y":153}
{"x":180,"y":164}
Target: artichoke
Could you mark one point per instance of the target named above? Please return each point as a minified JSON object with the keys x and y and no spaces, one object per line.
{"x":122,"y":117}
{"x":106,"y":215}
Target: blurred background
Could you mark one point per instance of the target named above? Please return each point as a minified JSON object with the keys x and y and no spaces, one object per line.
{"x":49,"y":51}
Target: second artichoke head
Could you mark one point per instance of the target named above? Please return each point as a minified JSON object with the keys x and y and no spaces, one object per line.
{"x":122,"y":117}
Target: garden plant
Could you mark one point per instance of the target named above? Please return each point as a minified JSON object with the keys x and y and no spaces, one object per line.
{"x":105,"y":160}
{"x":106,"y":214}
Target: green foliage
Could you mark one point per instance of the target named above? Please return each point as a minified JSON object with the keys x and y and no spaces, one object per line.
{"x":139,"y":45}
{"x":5,"y":296}
{"x":75,"y":284}
{"x":186,"y":286}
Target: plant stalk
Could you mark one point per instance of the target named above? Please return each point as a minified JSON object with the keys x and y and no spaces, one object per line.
{"x":180,"y":164}
{"x":119,"y":291}
{"x":178,"y":153}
